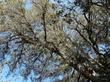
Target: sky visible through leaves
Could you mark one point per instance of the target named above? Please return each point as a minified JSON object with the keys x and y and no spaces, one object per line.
{"x":15,"y":76}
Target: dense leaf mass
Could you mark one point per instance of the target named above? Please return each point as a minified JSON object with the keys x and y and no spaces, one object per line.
{"x":56,"y":37}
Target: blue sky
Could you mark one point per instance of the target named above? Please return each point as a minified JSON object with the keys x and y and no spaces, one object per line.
{"x":28,"y":4}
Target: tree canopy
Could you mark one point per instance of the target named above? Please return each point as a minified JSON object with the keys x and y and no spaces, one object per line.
{"x":57,"y":37}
